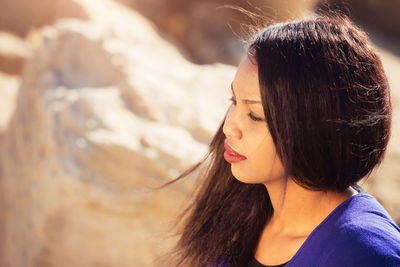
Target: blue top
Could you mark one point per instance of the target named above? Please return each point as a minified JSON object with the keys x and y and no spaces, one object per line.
{"x":358,"y":232}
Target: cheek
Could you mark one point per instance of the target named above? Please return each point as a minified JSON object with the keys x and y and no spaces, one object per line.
{"x":258,"y":142}
{"x":264,"y":161}
{"x":268,"y":168}
{"x":262,"y":167}
{"x":262,"y":164}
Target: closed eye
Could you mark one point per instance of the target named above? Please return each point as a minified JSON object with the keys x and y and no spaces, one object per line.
{"x":251,"y":116}
{"x":254,"y":118}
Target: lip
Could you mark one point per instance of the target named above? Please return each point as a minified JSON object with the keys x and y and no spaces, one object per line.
{"x":231,"y":155}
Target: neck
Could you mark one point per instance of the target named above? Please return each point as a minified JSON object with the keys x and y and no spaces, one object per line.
{"x":301,"y":210}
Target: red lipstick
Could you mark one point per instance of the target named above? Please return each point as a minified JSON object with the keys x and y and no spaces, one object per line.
{"x":231,"y":155}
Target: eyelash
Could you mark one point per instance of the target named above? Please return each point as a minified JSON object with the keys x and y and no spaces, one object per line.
{"x":252,"y":117}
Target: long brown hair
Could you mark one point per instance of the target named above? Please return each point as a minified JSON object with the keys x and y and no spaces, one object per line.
{"x":327,"y":105}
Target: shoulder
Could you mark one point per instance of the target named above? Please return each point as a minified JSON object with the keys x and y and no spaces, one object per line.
{"x":364,"y":235}
{"x":361,"y":245}
{"x":359,"y":232}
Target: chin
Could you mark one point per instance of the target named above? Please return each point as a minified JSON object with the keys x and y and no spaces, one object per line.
{"x":242,"y":177}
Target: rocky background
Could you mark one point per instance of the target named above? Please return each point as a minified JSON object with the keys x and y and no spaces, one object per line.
{"x":103,"y":100}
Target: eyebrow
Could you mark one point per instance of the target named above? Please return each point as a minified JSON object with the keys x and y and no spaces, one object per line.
{"x":246,"y":101}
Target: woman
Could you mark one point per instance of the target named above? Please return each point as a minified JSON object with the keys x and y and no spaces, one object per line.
{"x":310,"y":118}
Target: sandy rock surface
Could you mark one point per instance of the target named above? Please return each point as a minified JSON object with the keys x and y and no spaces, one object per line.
{"x":103,"y":114}
{"x":20,"y":16}
{"x":13,"y":53}
{"x":207,"y":30}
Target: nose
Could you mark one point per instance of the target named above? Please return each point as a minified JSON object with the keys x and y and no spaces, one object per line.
{"x":230,"y":128}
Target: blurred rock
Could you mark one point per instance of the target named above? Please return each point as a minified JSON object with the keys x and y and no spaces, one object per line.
{"x":13,"y":53}
{"x":105,"y":111}
{"x":8,"y":91}
{"x":20,"y":16}
{"x":206,"y":30}
{"x":379,"y":16}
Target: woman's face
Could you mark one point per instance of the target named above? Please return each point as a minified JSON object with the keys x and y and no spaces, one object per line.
{"x":247,"y":132}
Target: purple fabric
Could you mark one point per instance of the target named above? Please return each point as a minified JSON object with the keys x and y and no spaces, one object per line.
{"x":359,"y":232}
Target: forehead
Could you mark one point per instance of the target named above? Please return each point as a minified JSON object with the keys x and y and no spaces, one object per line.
{"x":245,"y":82}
